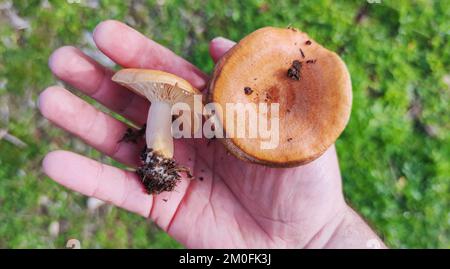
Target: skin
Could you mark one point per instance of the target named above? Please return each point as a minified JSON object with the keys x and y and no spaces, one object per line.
{"x":235,"y":205}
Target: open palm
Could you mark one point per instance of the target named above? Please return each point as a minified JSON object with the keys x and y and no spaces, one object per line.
{"x":230,"y":204}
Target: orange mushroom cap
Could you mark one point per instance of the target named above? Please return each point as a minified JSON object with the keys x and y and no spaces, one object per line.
{"x":314,"y":104}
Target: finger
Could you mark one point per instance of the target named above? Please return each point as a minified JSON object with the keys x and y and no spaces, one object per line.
{"x":79,"y":70}
{"x":96,"y":128}
{"x":91,"y":178}
{"x":129,"y":48}
{"x":219,"y":46}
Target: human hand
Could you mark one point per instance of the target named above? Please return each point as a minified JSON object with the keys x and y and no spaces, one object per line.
{"x":232,"y":204}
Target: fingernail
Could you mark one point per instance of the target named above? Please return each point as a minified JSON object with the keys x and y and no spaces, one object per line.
{"x":221,"y":39}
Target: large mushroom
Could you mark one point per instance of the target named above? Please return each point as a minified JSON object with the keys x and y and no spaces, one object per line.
{"x":158,"y":171}
{"x":310,"y":83}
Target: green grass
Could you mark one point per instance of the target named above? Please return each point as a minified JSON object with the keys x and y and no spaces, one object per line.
{"x":394,"y":154}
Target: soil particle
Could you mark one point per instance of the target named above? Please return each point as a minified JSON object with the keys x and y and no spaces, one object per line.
{"x":294,"y":70}
{"x":292,"y":28}
{"x":302,"y":53}
{"x":132,"y":135}
{"x":248,"y":90}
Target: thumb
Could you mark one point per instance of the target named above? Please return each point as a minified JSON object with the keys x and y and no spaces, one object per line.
{"x":218,"y":46}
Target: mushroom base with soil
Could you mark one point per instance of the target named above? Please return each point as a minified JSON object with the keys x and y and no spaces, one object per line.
{"x":158,"y":173}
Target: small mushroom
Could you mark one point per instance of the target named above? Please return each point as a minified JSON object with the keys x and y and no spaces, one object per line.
{"x":158,"y":171}
{"x":314,"y":99}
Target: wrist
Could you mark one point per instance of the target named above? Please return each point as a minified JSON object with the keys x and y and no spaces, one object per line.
{"x":328,"y":230}
{"x":353,"y":232}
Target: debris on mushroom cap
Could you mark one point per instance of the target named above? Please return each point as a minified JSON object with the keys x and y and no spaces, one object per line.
{"x":295,"y":70}
{"x":156,"y":85}
{"x":314,"y":104}
{"x":248,"y":90}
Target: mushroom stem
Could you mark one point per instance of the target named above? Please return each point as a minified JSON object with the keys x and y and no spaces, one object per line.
{"x":158,"y":134}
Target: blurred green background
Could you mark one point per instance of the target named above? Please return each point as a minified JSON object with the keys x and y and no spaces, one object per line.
{"x":394,"y":154}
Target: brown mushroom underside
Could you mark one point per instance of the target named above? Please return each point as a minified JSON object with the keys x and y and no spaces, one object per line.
{"x":314,"y":109}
